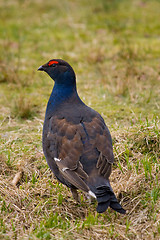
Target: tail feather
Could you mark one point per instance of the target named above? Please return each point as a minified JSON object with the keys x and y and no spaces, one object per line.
{"x":102,"y":207}
{"x":117,"y":207}
{"x":106,"y":197}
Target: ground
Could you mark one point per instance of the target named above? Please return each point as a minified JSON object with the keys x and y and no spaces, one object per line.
{"x":113,"y":47}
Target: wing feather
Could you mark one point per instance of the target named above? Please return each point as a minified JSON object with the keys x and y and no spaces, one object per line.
{"x":66,"y":142}
{"x":101,"y":139}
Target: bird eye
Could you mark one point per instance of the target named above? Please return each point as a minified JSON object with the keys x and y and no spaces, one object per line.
{"x":53,"y":65}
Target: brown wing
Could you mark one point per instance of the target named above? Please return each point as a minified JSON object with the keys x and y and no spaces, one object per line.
{"x":65,"y":148}
{"x":101,"y":139}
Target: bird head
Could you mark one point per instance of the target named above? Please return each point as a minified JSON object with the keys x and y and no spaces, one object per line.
{"x":60,"y":71}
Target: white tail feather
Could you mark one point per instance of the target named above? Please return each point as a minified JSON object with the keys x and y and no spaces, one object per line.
{"x":92,"y":194}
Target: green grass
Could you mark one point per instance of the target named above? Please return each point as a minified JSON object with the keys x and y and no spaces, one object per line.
{"x":113,"y":47}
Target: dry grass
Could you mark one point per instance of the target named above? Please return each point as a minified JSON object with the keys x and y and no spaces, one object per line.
{"x":40,"y":208}
{"x":23,"y":107}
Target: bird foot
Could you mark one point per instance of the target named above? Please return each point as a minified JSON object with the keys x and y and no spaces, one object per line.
{"x":75,"y":195}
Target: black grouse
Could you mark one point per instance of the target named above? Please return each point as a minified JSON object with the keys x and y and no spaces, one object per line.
{"x":76,"y":142}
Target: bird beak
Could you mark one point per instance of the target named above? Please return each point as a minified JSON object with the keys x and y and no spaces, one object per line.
{"x":40,"y":68}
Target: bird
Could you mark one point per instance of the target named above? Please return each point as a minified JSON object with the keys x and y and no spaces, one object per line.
{"x":76,"y":141}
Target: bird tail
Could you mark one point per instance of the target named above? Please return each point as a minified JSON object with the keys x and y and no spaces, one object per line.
{"x":106,"y":197}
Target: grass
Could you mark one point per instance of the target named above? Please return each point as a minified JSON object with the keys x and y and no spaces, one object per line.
{"x":114,"y":48}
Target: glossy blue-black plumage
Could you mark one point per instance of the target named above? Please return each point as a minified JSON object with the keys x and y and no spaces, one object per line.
{"x":76,"y":142}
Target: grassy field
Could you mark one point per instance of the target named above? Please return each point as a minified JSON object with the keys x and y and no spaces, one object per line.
{"x":114,"y":47}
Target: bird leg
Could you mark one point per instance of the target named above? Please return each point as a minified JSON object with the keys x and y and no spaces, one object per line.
{"x":75,"y":195}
